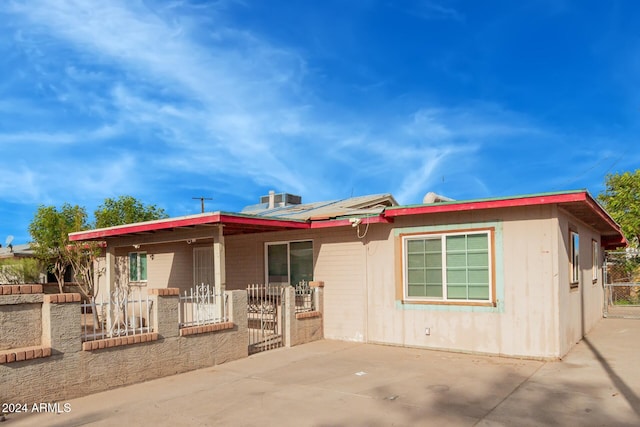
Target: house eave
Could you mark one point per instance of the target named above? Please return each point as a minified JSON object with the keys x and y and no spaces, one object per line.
{"x":232,"y":222}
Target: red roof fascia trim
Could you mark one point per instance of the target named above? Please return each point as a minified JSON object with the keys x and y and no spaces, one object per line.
{"x":138,"y":228}
{"x":487,"y":204}
{"x":185,"y":222}
{"x":344,"y":222}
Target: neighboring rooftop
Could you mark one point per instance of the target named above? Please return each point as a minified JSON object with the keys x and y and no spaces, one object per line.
{"x":15,"y":251}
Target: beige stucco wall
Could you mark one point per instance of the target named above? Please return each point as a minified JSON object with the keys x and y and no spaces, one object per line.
{"x":524,"y":323}
{"x":535,"y":315}
{"x":169,"y":265}
{"x":579,"y":308}
{"x":339,"y":261}
{"x":361,"y":301}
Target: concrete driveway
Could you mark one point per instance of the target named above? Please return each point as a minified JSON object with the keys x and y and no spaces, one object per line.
{"x":331,"y":383}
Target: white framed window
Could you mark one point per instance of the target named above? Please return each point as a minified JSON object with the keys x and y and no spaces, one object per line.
{"x":452,"y":266}
{"x":574,"y":259}
{"x":137,"y":266}
{"x":289,"y":262}
{"x":595,"y":257}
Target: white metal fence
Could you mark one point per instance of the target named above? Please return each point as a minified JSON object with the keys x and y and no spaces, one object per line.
{"x":305,"y":298}
{"x":126,"y":312}
{"x":201,"y":305}
{"x":265,"y":316}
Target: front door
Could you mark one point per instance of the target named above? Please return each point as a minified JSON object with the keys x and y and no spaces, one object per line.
{"x":203,"y":265}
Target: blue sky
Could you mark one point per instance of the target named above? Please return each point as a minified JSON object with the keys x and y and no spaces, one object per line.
{"x":169,"y":100}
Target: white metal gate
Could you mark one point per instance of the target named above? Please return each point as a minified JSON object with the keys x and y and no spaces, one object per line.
{"x":265,"y":317}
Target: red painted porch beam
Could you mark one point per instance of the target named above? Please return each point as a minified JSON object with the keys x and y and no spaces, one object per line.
{"x":213,"y":219}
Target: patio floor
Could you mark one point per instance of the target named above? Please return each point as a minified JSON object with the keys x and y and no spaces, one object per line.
{"x":332,"y":383}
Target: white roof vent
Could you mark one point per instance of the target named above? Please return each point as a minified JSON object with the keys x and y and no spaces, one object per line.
{"x":432,"y":197}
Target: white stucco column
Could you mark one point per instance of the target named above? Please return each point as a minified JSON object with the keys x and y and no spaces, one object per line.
{"x":110,"y":277}
{"x":219,"y":275}
{"x":110,"y":269}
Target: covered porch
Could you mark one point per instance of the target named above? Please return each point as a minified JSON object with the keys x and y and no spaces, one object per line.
{"x":177,"y":252}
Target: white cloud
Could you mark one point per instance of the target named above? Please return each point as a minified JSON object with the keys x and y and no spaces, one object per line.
{"x":223,"y":101}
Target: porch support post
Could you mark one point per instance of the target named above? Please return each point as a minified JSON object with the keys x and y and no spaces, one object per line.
{"x":110,"y":269}
{"x":110,"y":277}
{"x":219,"y":275}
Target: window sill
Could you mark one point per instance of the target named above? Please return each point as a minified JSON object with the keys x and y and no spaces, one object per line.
{"x":461,"y":303}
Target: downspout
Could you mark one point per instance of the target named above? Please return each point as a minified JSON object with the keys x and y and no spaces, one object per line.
{"x":556,"y":239}
{"x":366,"y":289}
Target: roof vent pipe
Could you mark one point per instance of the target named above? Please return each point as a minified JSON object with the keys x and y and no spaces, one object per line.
{"x":272,"y":199}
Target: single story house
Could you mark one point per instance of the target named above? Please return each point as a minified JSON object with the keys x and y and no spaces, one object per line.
{"x":516,"y":276}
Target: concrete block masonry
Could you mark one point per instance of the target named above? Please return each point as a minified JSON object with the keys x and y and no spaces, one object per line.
{"x":50,"y":364}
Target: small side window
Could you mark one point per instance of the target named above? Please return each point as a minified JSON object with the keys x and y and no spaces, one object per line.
{"x":595,"y":256}
{"x":137,"y":266}
{"x":574,"y":259}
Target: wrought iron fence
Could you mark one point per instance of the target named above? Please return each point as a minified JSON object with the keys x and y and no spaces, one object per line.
{"x":201,"y":305}
{"x":265,"y":316}
{"x":126,"y":312}
{"x":305,"y":300}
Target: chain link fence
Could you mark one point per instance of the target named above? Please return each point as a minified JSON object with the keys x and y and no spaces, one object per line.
{"x":622,"y":284}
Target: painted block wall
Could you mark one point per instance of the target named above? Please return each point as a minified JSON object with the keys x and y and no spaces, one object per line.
{"x":68,"y":371}
{"x":524,"y":321}
{"x":579,"y":308}
{"x":339,"y":261}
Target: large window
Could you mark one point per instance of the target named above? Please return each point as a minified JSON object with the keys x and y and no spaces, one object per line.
{"x":448,"y":267}
{"x":137,"y":266}
{"x":289,"y":262}
{"x":574,"y":259}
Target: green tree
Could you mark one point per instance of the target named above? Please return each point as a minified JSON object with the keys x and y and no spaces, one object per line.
{"x":50,"y":230}
{"x":621,"y":199}
{"x":126,"y":210}
{"x":17,"y":271}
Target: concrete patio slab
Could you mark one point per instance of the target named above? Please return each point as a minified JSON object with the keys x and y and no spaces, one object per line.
{"x":331,"y":383}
